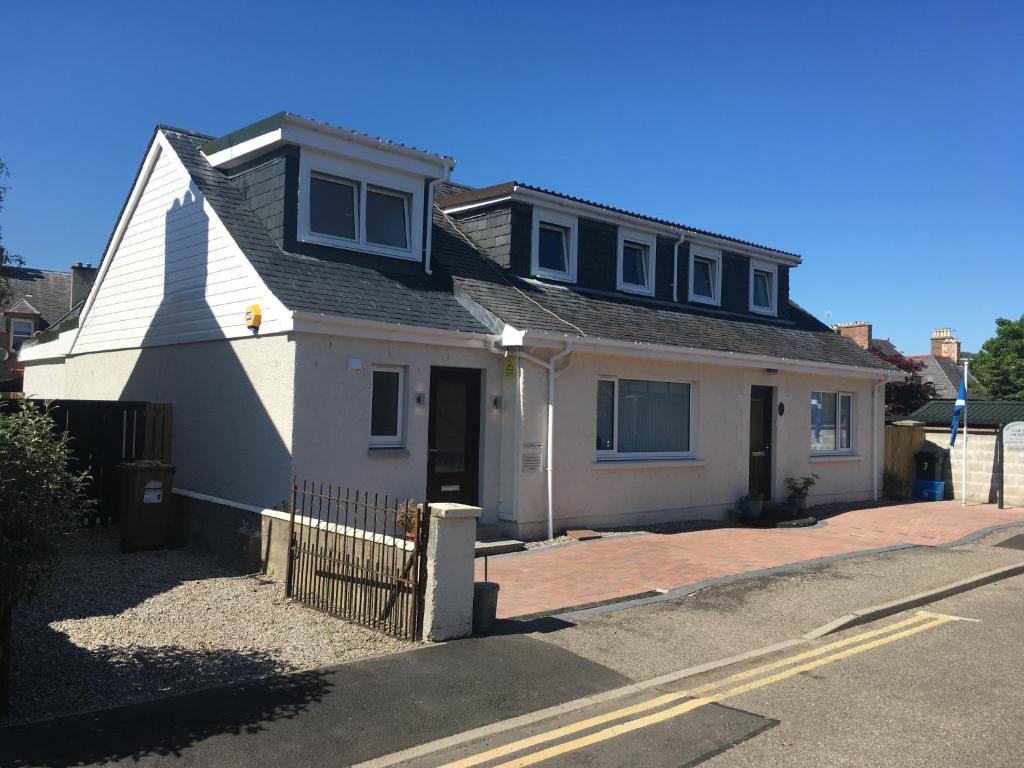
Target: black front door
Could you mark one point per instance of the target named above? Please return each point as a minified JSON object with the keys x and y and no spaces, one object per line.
{"x":761,"y":441}
{"x":453,"y":440}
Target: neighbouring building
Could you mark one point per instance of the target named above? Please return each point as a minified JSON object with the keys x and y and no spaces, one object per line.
{"x":943,"y":366}
{"x":317,"y":302}
{"x":38,"y":299}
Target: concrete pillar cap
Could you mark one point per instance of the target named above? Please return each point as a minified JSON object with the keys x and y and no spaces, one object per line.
{"x":454,"y":511}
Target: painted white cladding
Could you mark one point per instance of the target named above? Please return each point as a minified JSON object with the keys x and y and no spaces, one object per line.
{"x":173,"y":274}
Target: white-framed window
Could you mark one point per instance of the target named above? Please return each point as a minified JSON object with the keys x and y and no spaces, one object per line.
{"x":345,"y":205}
{"x":764,"y":287}
{"x":640,"y":419}
{"x":637,"y":251}
{"x":831,"y":422}
{"x":387,"y":407}
{"x":705,"y":275}
{"x":21,"y":331}
{"x":553,"y":245}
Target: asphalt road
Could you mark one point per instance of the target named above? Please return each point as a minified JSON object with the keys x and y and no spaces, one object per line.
{"x":948,"y":694}
{"x":938,"y":686}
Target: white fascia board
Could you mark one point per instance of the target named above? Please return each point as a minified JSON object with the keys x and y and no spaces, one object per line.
{"x":747,"y":250}
{"x":558,"y":202}
{"x":48,"y":350}
{"x":598,"y":345}
{"x":368,"y":151}
{"x":308,"y":133}
{"x":239,"y":153}
{"x":335,"y":325}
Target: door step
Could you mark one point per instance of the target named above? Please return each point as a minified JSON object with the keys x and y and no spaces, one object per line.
{"x":498,"y":546}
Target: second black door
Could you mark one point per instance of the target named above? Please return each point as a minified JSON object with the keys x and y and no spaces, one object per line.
{"x":761,"y":441}
{"x":453,"y":439}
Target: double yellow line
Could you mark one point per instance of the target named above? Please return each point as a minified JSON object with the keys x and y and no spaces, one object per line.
{"x":700,"y":696}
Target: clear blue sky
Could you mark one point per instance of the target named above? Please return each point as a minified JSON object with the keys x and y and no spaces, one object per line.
{"x":883,"y":141}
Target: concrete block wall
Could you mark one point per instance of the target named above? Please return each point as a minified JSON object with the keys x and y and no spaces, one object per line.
{"x":981,"y":465}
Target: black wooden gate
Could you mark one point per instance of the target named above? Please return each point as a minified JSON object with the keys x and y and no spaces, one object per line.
{"x":105,"y":433}
{"x":359,"y":556}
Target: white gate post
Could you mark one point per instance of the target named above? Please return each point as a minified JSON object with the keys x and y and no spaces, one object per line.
{"x":448,"y":593}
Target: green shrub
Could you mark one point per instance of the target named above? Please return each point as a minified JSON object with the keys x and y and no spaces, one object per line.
{"x":39,"y":496}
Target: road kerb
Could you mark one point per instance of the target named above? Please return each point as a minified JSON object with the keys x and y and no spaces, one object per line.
{"x":458,"y":739}
{"x":880,"y":611}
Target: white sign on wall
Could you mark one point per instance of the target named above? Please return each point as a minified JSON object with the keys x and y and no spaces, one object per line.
{"x":1013,"y":437}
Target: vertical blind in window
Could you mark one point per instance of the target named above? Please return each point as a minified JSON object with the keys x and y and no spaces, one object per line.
{"x":643,"y":416}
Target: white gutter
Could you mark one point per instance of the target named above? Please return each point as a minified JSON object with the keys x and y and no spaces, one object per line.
{"x":542,"y":339}
{"x":549,"y":364}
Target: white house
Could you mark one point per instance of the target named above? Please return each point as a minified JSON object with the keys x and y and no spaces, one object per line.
{"x":538,"y":355}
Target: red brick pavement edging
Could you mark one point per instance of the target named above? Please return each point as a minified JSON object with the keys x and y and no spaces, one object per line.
{"x":546,"y":579}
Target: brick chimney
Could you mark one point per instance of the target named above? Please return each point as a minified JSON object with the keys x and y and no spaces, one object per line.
{"x":859,"y":331}
{"x":945,"y":344}
{"x":82,"y":278}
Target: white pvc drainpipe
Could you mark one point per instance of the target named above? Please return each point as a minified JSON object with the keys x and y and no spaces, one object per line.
{"x":549,"y":364}
{"x":874,"y":437}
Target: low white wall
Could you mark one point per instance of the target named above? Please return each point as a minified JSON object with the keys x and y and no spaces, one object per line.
{"x":588,"y":492}
{"x":232,"y":404}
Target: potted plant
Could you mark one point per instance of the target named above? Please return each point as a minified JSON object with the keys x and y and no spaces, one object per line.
{"x":752,"y":504}
{"x":407,"y":516}
{"x":797,"y":489}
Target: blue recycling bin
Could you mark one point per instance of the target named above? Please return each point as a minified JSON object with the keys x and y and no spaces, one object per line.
{"x":929,"y":490}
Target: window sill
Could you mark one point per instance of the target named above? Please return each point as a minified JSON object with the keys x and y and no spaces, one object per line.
{"x":705,"y":300}
{"x":388,"y":450}
{"x":680,"y":463}
{"x":360,"y":246}
{"x":829,"y":457}
{"x":636,"y":290}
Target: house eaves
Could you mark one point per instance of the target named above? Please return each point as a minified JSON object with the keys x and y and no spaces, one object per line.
{"x":528,"y":193}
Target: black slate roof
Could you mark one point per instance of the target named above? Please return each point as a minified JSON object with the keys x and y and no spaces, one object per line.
{"x":980,"y":413}
{"x":573,"y":311}
{"x":305,"y":283}
{"x":469,"y":292}
{"x":48,"y":292}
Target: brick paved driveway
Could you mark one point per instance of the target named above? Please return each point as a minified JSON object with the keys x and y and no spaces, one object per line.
{"x":546,"y":579}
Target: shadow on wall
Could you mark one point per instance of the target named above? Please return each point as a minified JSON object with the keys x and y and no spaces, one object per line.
{"x":224,"y":441}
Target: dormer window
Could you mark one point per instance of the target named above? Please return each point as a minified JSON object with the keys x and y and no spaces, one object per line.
{"x":21,"y":331}
{"x":344,"y":205}
{"x":387,"y":218}
{"x":333,"y":206}
{"x":636,"y":262}
{"x":554,"y":245}
{"x":705,"y":275}
{"x":763,"y":288}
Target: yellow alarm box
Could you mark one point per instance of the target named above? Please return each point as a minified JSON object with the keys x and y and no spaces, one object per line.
{"x":253,"y":317}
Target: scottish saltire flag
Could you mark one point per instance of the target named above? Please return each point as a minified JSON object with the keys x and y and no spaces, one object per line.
{"x":958,"y":408}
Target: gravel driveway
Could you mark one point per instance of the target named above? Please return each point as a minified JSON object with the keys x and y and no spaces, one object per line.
{"x":111,"y":628}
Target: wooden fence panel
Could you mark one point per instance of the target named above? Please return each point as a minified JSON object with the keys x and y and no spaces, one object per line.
{"x":901,"y":443}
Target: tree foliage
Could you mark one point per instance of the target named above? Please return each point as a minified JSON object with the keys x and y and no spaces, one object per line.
{"x":6,"y":257}
{"x":999,"y":366}
{"x":39,"y":496}
{"x":905,"y":397}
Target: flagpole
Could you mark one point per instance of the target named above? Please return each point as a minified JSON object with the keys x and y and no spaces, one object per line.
{"x":963,"y":501}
